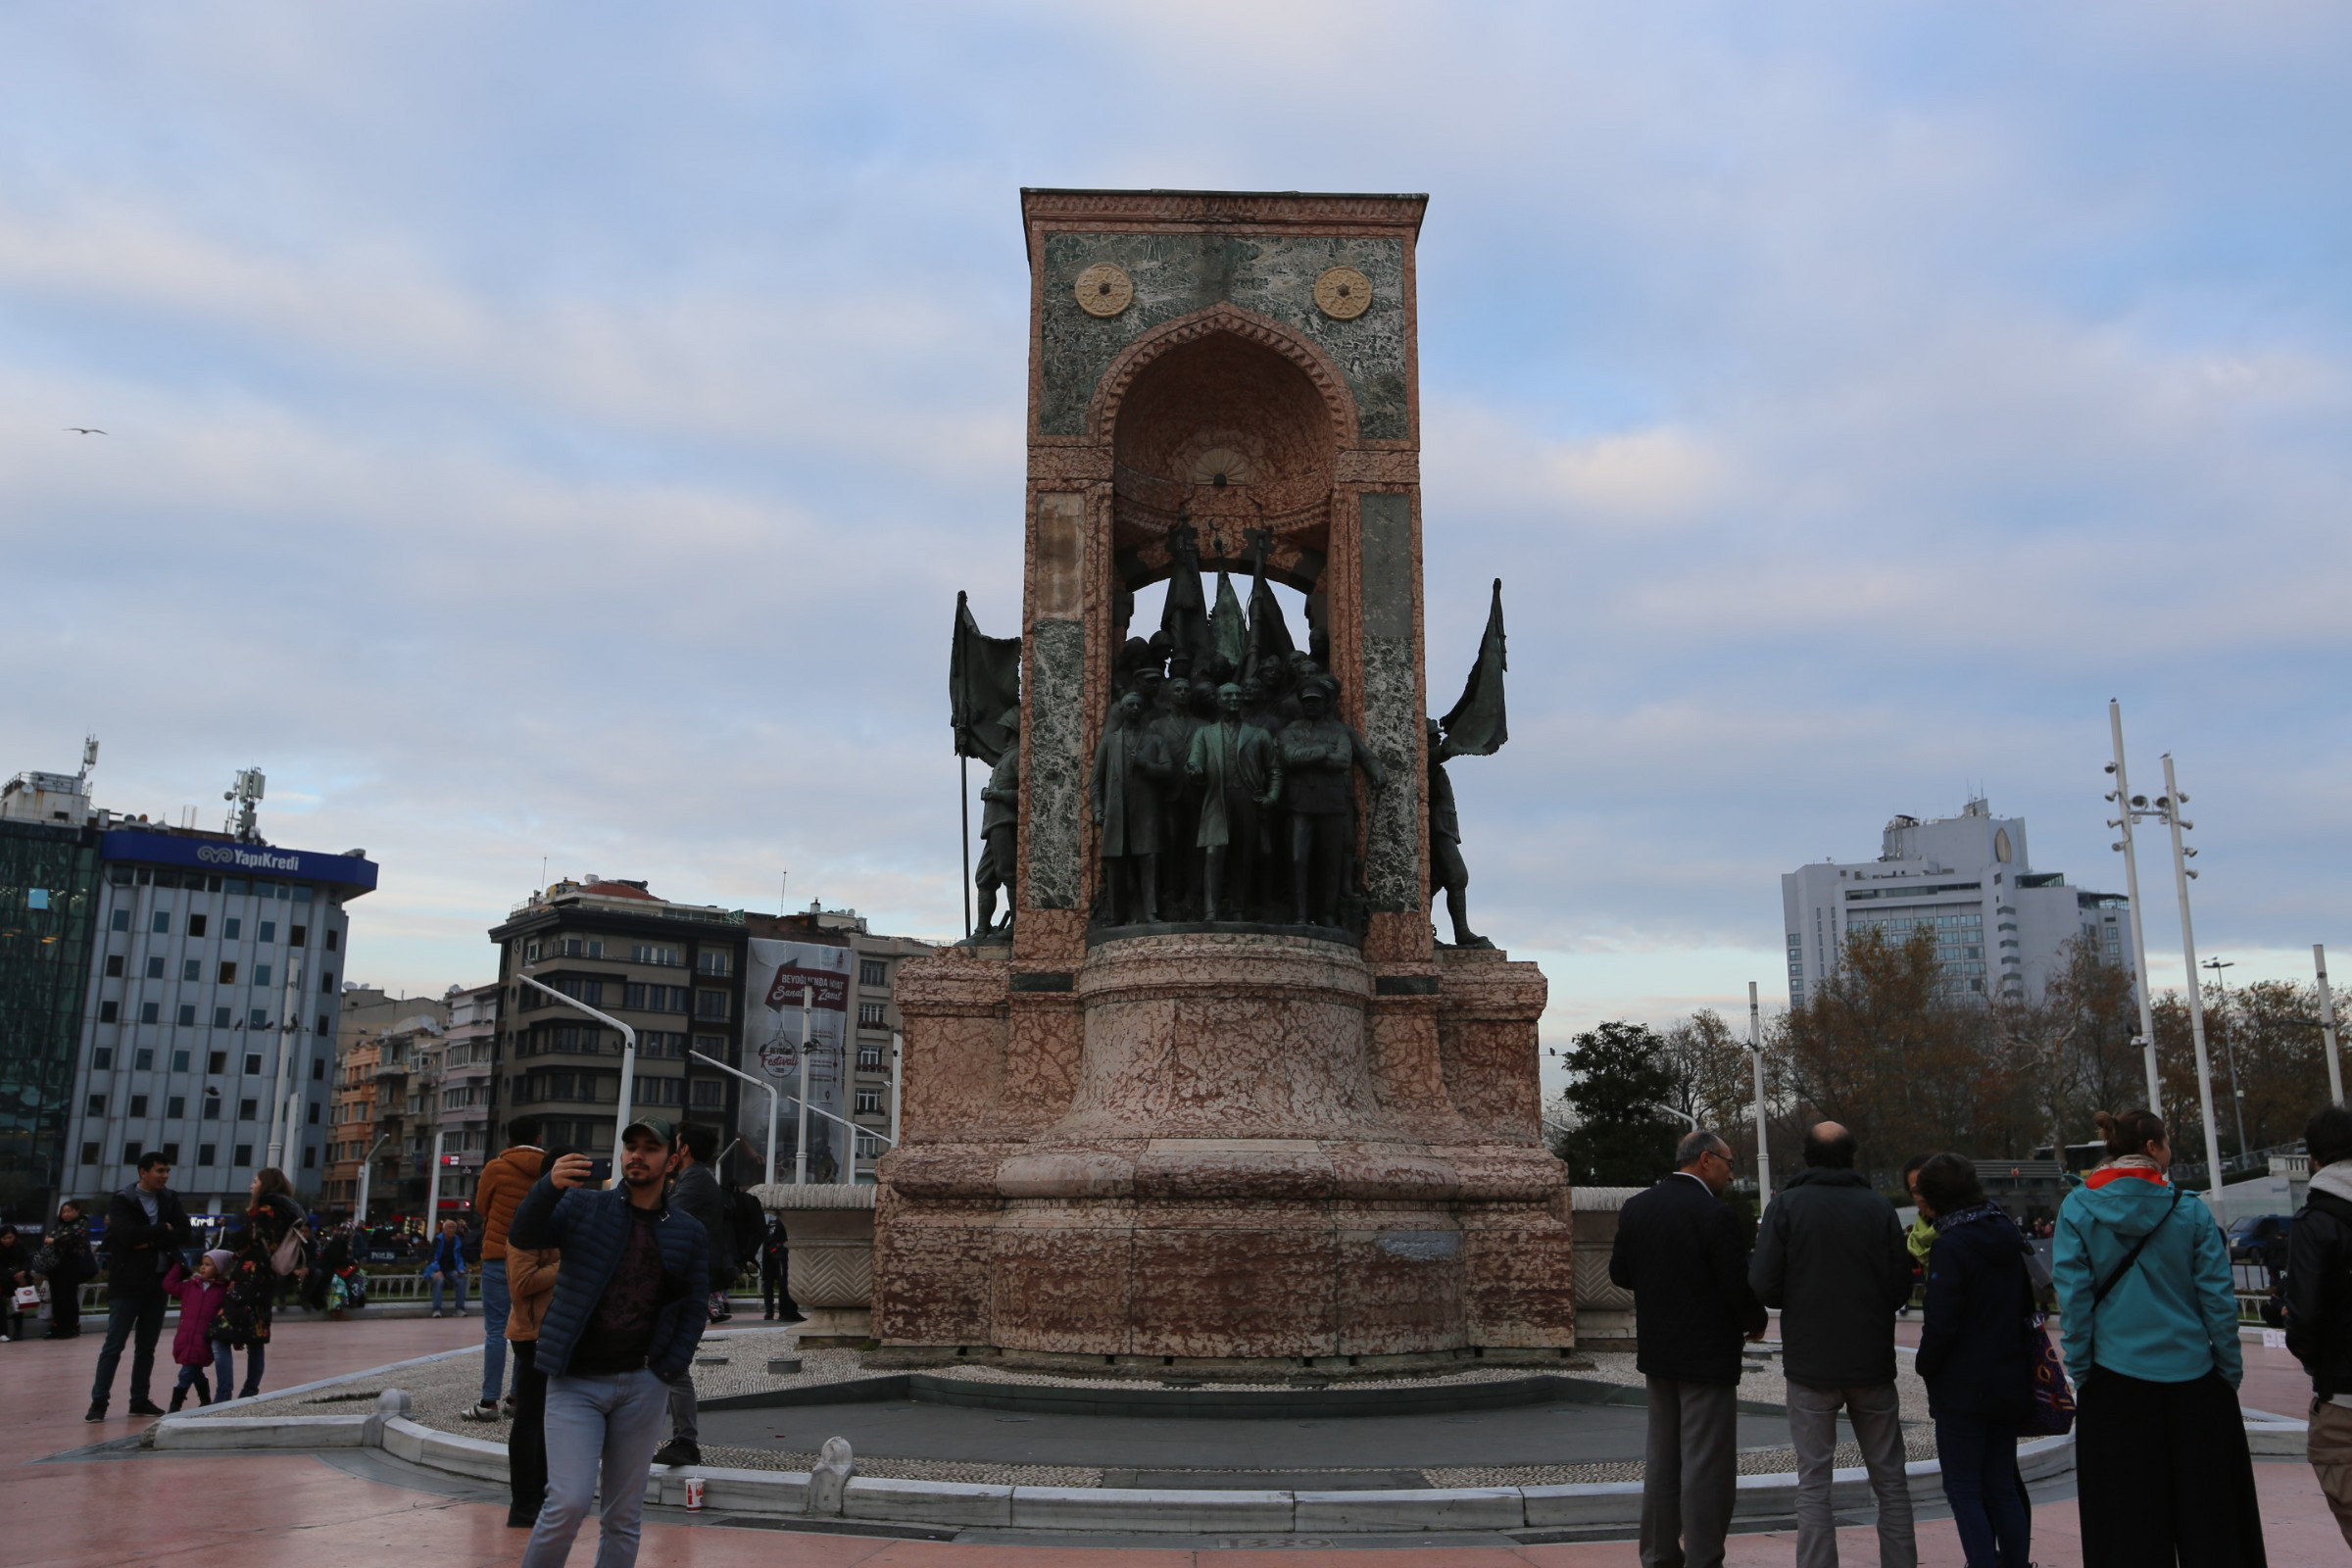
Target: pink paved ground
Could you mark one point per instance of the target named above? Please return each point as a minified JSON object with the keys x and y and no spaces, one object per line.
{"x":259,"y":1511}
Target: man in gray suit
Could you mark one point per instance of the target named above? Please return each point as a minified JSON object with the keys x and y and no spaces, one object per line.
{"x":1679,"y":1252}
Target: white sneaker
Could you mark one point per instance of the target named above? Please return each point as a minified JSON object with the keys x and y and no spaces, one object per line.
{"x":436,"y":1311}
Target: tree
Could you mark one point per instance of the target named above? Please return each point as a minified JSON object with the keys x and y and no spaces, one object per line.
{"x":1619,"y":1075}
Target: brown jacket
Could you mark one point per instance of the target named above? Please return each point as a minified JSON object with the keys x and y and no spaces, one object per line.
{"x":504,"y":1181}
{"x":530,"y":1286}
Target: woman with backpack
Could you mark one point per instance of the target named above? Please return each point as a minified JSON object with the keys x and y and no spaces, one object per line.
{"x":66,"y":1261}
{"x":2162,"y":1470}
{"x":1974,"y":1355}
{"x":272,"y":1244}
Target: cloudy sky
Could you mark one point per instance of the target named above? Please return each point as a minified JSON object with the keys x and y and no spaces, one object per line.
{"x":559,"y":431}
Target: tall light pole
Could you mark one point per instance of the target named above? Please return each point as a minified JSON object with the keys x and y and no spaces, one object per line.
{"x":432,"y":1185}
{"x":773,"y":1094}
{"x":628,"y":1062}
{"x":898,"y":1063}
{"x":2336,"y":1070}
{"x":366,"y":1170}
{"x":2238,"y":1096}
{"x":2122,"y":798}
{"x":800,"y":1132}
{"x":1755,"y":1048}
{"x":2168,"y":807}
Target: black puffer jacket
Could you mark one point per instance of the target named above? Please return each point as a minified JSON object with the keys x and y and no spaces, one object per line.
{"x":2319,"y":1288}
{"x":589,"y":1227}
{"x":1830,"y":1254}
{"x":1973,"y":1352}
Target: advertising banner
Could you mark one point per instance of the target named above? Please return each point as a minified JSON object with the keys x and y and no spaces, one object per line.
{"x":777,"y":977}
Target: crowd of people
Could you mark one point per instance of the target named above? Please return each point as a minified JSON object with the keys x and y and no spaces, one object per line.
{"x":2150,"y":1331}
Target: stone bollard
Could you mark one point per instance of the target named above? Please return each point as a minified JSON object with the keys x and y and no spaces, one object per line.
{"x":829,"y":1477}
{"x":391,"y":1404}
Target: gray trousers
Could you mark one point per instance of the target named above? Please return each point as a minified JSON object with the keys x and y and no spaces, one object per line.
{"x":1687,"y":1476}
{"x":1877,"y":1414}
{"x":601,"y":1435}
{"x":684,"y":1414}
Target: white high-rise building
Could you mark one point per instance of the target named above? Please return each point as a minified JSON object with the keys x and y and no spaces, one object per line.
{"x":2001,"y":926}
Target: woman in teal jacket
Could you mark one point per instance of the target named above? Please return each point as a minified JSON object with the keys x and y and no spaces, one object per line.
{"x":2144,"y":1294}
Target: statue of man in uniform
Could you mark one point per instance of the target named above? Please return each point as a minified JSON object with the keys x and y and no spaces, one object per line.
{"x":1235,"y":771}
{"x":1131,"y":772}
{"x":1000,"y":817}
{"x":1448,"y":874}
{"x":1319,"y":758}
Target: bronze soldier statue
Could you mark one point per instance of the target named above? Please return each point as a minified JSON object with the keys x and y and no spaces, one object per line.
{"x":1235,"y":771}
{"x":1448,"y":873}
{"x":1131,"y":772}
{"x":1000,"y":817}
{"x":1319,"y":757}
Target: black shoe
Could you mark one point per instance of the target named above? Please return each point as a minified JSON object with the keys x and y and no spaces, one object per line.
{"x":179,"y":1399}
{"x":145,"y":1407}
{"x":678,"y":1451}
{"x":516,"y":1519}
{"x":96,"y":1412}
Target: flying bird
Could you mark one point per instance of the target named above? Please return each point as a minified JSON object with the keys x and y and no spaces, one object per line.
{"x":83,"y":429}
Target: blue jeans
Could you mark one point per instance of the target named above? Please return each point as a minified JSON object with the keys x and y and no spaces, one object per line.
{"x":608,"y":1424}
{"x":126,"y":1316}
{"x":1980,"y":1482}
{"x":494,"y":1328}
{"x":443,"y":1277}
{"x":225,"y":1369}
{"x":192,"y":1377}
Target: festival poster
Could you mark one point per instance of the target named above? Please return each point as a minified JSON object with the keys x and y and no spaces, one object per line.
{"x":777,"y":977}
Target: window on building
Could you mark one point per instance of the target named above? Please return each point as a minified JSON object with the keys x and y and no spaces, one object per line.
{"x":870,"y":1014}
{"x":163,"y":922}
{"x":138,"y":1104}
{"x":102,"y":1059}
{"x":269,"y":931}
{"x":297,"y":935}
{"x":191,"y":969}
{"x":654,"y":953}
{"x":220,"y":1017}
{"x":310,"y":1158}
{"x":314,"y":1116}
{"x":113,"y":966}
{"x":712,"y":1045}
{"x":231,"y":928}
{"x":204,"y":1154}
{"x":244,"y":1155}
{"x":709,"y":1094}
{"x":869,"y":1101}
{"x":155,"y":966}
{"x":869,"y":1059}
{"x":210,"y":1105}
{"x":228,"y":972}
{"x":109,"y":1011}
{"x":121,"y":920}
{"x":259,"y":1018}
{"x":710,"y":1004}
{"x":151,"y":1011}
{"x":179,"y":1062}
{"x":714,"y":961}
{"x":260,"y":975}
{"x":330,"y":939}
{"x":652,"y":1091}
{"x":247,"y":1110}
{"x":216,"y":1062}
{"x":531,"y":952}
{"x":142,"y":1059}
{"x":327,"y":984}
{"x":130,"y":1154}
{"x":97,"y":1106}
{"x":322,"y":1028}
{"x":872,"y":972}
{"x":89,"y":1153}
{"x":176,"y":1105}
{"x":318,"y":1067}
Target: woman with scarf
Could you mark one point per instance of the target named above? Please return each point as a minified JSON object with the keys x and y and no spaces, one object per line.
{"x":2144,"y":1291}
{"x":253,"y":1276}
{"x":1973,"y":1357}
{"x":66,"y":1261}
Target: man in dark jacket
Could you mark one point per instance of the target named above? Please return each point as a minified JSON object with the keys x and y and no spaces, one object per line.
{"x":695,"y":1192}
{"x":623,"y":1321}
{"x":1830,"y":1255}
{"x":2319,"y":1304}
{"x":145,"y":1229}
{"x":1678,"y":1250}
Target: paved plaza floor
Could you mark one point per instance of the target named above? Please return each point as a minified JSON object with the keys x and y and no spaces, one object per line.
{"x":76,"y":1505}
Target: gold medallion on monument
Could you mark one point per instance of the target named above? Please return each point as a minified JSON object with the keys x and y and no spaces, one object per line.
{"x":1104,"y":290}
{"x":1343,"y":293}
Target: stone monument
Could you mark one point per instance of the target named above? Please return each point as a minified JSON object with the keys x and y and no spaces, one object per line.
{"x":1146,"y":1130}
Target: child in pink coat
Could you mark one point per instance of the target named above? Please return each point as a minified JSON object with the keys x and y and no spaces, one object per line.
{"x":200,"y":1298}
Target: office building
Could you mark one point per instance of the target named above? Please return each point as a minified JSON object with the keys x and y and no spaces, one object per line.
{"x":2002,"y":928}
{"x":48,"y":904}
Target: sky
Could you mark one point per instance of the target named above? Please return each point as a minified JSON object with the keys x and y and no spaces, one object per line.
{"x":554,"y":436}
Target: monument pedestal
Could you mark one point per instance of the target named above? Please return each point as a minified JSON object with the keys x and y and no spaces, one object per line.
{"x":1238,"y":1178}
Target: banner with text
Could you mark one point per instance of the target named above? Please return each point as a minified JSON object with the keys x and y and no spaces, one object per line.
{"x":778,"y":977}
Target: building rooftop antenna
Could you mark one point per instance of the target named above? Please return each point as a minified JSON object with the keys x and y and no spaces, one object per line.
{"x":243,"y":796}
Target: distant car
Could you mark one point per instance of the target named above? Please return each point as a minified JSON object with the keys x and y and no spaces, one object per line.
{"x":2257,"y":1238}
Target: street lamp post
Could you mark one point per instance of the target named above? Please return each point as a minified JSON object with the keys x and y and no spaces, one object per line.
{"x":366,"y":1170}
{"x":2122,"y":798}
{"x":628,"y":1062}
{"x":1755,"y":1048}
{"x":773,"y":1094}
{"x":432,"y":1186}
{"x":800,"y":1131}
{"x":2168,"y":807}
{"x":2238,"y":1096}
{"x":2336,"y":1070}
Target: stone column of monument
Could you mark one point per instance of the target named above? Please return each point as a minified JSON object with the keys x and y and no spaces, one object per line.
{"x":1222,"y":1147}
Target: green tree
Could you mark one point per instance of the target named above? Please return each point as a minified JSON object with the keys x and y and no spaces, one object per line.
{"x":1619,"y":1076}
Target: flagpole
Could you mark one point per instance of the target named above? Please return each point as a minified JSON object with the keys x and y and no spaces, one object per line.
{"x":963,"y":810}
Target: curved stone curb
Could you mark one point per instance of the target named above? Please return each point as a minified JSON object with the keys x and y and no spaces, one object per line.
{"x":773,"y":1493}
{"x":2276,"y":1437}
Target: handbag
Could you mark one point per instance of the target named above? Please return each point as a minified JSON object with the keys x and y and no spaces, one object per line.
{"x":2052,"y":1413}
{"x":286,"y":1256}
{"x":28,"y":1297}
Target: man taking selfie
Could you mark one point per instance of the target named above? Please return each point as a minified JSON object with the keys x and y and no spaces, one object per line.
{"x":626,"y":1314}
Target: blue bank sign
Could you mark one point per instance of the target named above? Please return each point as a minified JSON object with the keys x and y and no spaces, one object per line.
{"x":237,"y":859}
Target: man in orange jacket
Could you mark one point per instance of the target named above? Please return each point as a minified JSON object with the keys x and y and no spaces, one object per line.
{"x":504,"y":1181}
